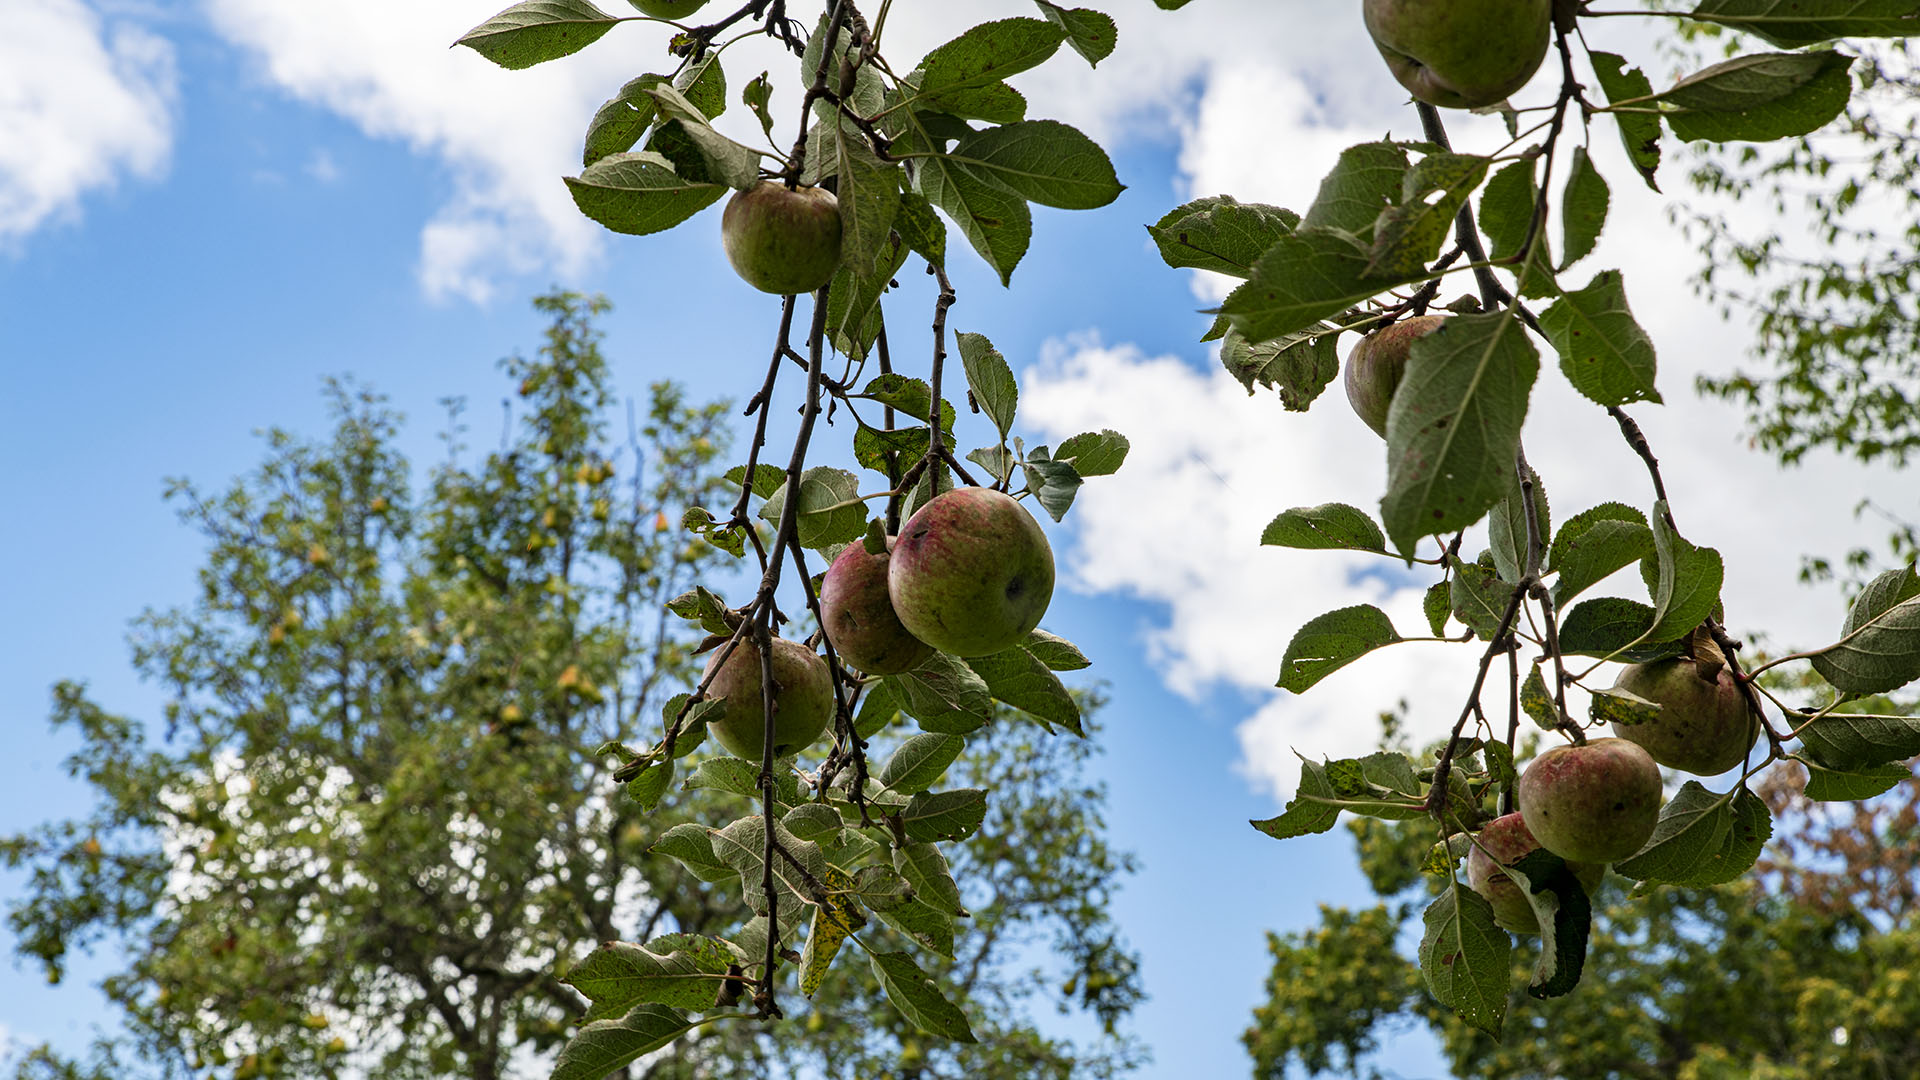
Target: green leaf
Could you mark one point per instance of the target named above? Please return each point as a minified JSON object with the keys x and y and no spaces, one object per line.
{"x":1478,"y":597}
{"x":1053,"y":483}
{"x":1879,"y":646}
{"x":676,"y":970}
{"x":1687,"y":587}
{"x":1219,"y":234}
{"x":913,"y":992}
{"x":921,"y":228}
{"x":1042,"y":161}
{"x":704,"y":85}
{"x":757,"y":96}
{"x":1612,"y":705}
{"x":995,"y":221}
{"x":1328,"y":526}
{"x":1506,"y":215}
{"x":853,"y":301}
{"x":873,"y":446}
{"x":925,"y":868}
{"x":813,"y":821}
{"x":692,"y":846}
{"x":1365,"y":181}
{"x":620,"y":122}
{"x":726,"y":161}
{"x":1311,"y":810}
{"x":1583,"y":209}
{"x":1851,"y":785}
{"x":1437,"y":605}
{"x":918,"y":763}
{"x":1507,"y":528}
{"x":1302,"y":278}
{"x":990,"y":380}
{"x":1094,"y":453}
{"x":1381,"y":785}
{"x":1464,"y":957}
{"x":1408,"y":235}
{"x":1454,"y":427}
{"x":834,"y":920}
{"x":868,"y":190}
{"x":829,"y":511}
{"x":1594,"y":544}
{"x":738,"y":776}
{"x":1090,"y":33}
{"x":1299,"y":365}
{"x":1565,"y":915}
{"x":987,"y":54}
{"x":1760,"y":97}
{"x":881,"y":888}
{"x":766,"y":478}
{"x":1855,"y":741}
{"x":1791,"y":24}
{"x":1057,"y":653}
{"x":1609,"y":625}
{"x":1020,"y":679}
{"x":925,"y":926}
{"x":639,"y":193}
{"x":878,"y":709}
{"x":604,"y":1046}
{"x":944,"y":695}
{"x":944,"y":815}
{"x":1537,"y":702}
{"x":651,"y":784}
{"x":703,"y":607}
{"x":1330,"y":642}
{"x":534,"y":31}
{"x":1639,"y":131}
{"x":1603,"y":352}
{"x":742,"y":844}
{"x":997,"y":460}
{"x":1702,"y":838}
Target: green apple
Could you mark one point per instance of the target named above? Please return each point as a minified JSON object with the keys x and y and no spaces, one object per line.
{"x":1501,"y":843}
{"x":802,"y":699}
{"x":668,"y":9}
{"x":1594,"y":803}
{"x":1377,"y":364}
{"x":1704,"y":726}
{"x":1461,"y":54}
{"x":971,"y":573}
{"x":782,"y":241}
{"x":858,"y":615}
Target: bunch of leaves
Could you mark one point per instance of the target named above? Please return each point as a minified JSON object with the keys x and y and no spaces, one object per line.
{"x":1798,"y":972}
{"x":1390,"y":223}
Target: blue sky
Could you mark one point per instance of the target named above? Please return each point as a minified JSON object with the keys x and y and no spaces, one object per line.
{"x":231,"y":199}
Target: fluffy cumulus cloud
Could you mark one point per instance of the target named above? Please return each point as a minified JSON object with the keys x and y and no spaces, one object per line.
{"x":1221,"y":464}
{"x":504,"y":137}
{"x":84,"y":101}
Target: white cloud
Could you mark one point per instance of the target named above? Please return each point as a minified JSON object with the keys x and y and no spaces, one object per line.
{"x":83,"y":102}
{"x":505,"y":137}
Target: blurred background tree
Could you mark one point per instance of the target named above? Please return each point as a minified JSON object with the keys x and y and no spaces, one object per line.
{"x":371,"y":832}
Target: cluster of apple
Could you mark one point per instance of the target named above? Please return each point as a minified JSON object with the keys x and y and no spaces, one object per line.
{"x":1597,"y":802}
{"x":970,"y":574}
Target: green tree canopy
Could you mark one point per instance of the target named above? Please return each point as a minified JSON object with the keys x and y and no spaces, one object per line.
{"x":370,"y":836}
